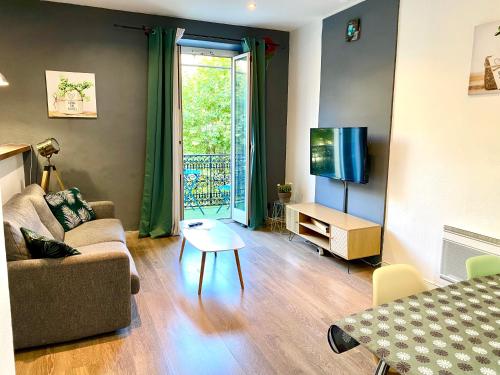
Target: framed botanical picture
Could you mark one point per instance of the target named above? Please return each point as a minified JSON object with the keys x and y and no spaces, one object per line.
{"x":71,"y":94}
{"x":485,"y":70}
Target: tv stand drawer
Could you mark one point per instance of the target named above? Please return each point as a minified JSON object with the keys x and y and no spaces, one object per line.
{"x":292,"y":220}
{"x":339,"y":242}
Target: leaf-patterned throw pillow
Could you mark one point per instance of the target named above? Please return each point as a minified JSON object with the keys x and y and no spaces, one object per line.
{"x":43,"y":247}
{"x":69,"y":208}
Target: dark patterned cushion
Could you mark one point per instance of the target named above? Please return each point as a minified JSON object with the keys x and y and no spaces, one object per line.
{"x":69,"y":208}
{"x":43,"y":247}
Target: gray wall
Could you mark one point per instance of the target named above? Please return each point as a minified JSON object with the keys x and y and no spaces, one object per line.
{"x":105,"y":157}
{"x":356,"y":90}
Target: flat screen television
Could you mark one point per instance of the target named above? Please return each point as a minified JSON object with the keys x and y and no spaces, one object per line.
{"x":340,"y":153}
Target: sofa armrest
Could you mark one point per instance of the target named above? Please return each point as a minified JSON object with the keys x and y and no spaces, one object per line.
{"x":56,"y":300}
{"x":103,"y":209}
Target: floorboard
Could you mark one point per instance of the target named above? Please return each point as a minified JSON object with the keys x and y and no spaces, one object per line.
{"x":277,"y":325}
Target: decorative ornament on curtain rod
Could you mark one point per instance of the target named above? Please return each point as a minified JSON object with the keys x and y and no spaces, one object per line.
{"x":3,"y":80}
{"x":271,"y":47}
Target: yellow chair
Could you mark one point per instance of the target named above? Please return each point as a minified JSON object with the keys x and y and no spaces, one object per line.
{"x":482,"y":265}
{"x":394,"y":282}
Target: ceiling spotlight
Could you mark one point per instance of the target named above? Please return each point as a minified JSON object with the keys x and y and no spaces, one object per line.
{"x":252,"y":6}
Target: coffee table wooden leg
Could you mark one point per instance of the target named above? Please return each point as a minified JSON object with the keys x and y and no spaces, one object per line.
{"x":203,"y":255}
{"x":182,"y":248}
{"x":239,"y":268}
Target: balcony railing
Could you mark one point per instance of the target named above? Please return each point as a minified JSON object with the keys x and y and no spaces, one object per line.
{"x":207,"y":179}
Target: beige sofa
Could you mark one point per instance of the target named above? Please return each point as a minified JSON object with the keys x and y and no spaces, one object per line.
{"x":56,"y":300}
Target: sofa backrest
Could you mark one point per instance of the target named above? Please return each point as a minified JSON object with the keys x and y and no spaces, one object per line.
{"x":19,"y":212}
{"x":37,"y":197}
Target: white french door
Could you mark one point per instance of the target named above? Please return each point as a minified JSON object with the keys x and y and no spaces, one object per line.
{"x":240,"y":137}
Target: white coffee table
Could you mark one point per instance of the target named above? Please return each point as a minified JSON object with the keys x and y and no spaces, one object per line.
{"x":211,"y":236}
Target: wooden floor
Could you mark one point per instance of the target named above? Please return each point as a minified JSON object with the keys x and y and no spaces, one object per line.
{"x":277,"y":325}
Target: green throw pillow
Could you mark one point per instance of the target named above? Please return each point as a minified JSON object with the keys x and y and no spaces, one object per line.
{"x":44,"y":247}
{"x":69,"y":208}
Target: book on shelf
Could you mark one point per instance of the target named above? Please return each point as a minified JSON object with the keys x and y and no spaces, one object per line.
{"x":322,"y":226}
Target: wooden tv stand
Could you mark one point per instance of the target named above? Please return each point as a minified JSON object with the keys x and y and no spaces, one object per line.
{"x":344,"y":235}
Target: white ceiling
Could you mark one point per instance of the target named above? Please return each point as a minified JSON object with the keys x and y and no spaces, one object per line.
{"x":273,"y":14}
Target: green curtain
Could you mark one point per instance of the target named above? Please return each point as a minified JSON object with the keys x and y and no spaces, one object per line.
{"x":156,"y":209}
{"x":258,"y":183}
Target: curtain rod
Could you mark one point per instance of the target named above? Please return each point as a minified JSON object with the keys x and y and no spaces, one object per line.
{"x":148,"y":29}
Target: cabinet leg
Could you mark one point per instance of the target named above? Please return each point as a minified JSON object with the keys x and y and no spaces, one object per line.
{"x":321,"y":251}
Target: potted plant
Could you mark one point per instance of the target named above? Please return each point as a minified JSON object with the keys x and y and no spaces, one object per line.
{"x":285,"y":192}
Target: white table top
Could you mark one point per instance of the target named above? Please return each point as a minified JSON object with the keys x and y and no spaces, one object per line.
{"x":212,"y":235}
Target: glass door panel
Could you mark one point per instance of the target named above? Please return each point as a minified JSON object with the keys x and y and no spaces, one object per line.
{"x":241,"y":89}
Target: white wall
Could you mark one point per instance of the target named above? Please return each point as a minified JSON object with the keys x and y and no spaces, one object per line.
{"x":303,"y":106}
{"x":445,"y":151}
{"x":11,"y":176}
{"x":6,"y":348}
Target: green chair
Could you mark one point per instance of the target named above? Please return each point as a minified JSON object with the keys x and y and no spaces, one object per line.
{"x":483,"y":265}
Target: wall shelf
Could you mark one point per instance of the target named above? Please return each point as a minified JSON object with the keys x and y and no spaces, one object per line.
{"x":8,"y":150}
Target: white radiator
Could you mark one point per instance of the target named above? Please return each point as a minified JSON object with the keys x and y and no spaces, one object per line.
{"x":458,"y":246}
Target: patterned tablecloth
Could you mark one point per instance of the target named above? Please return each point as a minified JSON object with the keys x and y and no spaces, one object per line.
{"x":445,"y":331}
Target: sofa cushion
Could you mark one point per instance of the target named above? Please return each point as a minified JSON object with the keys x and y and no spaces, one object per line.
{"x":69,"y":208}
{"x":95,"y":231}
{"x":41,"y":247}
{"x":19,"y":212}
{"x":107,"y":247}
{"x":103,"y":209}
{"x":37,"y":197}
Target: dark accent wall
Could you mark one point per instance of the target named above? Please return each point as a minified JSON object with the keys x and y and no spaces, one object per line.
{"x":357,"y":81}
{"x":105,"y":157}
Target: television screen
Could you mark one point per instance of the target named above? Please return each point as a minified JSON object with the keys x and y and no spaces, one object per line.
{"x":340,"y":153}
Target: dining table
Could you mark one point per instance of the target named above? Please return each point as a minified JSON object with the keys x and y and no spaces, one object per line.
{"x":450,"y":330}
